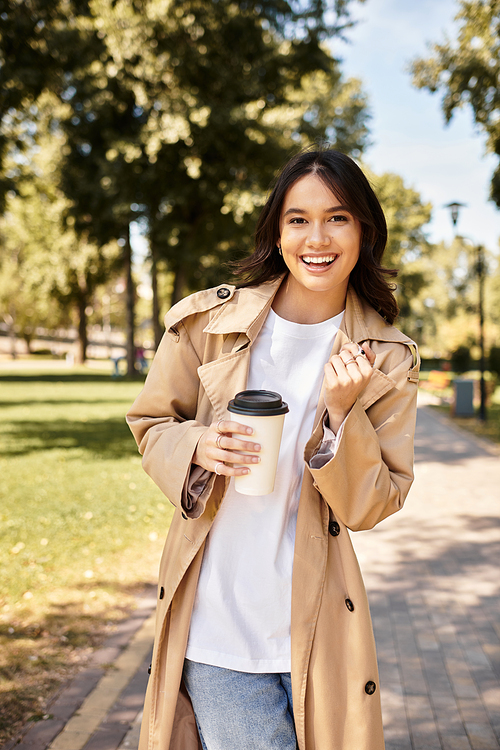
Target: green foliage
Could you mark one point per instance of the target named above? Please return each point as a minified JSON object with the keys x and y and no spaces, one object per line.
{"x":461,"y":360}
{"x":407,"y":247}
{"x":187,"y":112}
{"x":494,"y":359}
{"x":48,"y":272}
{"x":468,"y":72}
{"x":176,"y":113}
{"x":493,"y":291}
{"x":40,"y":41}
{"x":444,"y":308}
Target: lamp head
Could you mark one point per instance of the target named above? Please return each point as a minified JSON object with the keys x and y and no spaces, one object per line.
{"x":455,"y":209}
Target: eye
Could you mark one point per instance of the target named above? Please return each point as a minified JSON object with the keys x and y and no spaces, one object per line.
{"x":339,"y":218}
{"x":297,"y":220}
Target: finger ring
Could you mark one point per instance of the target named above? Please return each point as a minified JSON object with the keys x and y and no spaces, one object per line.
{"x":360,"y":354}
{"x":217,"y":466}
{"x":350,"y":361}
{"x":219,"y":438}
{"x":218,"y":428}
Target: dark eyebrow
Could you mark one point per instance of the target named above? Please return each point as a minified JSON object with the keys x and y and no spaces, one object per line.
{"x":331,"y":210}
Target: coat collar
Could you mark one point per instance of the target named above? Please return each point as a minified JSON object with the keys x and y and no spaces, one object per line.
{"x":247,"y":308}
{"x":239,"y":320}
{"x":362,"y":323}
{"x":245,"y":311}
{"x":243,"y":315}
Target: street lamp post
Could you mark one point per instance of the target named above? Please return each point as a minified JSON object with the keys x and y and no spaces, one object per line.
{"x":480,"y":275}
{"x":455,"y":209}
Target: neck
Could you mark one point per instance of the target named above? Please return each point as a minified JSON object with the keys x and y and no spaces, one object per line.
{"x":301,"y":305}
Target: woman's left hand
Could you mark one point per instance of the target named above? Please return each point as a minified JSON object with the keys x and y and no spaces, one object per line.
{"x":346,"y":375}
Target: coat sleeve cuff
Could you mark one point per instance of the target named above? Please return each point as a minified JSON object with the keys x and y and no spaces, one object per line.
{"x":328,"y":446}
{"x":194,"y":488}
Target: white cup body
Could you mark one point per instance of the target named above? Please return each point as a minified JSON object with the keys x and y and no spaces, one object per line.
{"x":267,"y":432}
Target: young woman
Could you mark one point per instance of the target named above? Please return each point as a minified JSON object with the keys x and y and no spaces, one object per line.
{"x":264,"y":636}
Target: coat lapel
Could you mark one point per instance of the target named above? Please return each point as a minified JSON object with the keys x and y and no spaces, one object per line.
{"x":358,"y":325}
{"x":223,"y":378}
{"x":238,"y":322}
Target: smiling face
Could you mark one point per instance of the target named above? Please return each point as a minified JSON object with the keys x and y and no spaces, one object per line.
{"x":320,"y":243}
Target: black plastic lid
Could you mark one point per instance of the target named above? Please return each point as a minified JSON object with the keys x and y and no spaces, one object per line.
{"x":258,"y":404}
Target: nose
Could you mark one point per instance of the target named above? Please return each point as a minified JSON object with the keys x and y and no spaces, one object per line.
{"x":318,"y":236}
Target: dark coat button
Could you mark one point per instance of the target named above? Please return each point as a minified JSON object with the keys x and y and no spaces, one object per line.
{"x":370,"y":688}
{"x":162,"y":593}
{"x":349,"y":605}
{"x":223,"y":293}
{"x":334,"y":528}
{"x":184,"y":516}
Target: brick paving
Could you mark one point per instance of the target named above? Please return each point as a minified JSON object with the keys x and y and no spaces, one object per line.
{"x":432,"y":575}
{"x":119,"y":721}
{"x":74,"y":702}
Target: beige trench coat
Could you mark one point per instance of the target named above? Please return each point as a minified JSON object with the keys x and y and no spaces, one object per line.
{"x":201,"y":363}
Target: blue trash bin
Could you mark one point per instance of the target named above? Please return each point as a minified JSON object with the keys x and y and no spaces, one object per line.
{"x":463,"y":405}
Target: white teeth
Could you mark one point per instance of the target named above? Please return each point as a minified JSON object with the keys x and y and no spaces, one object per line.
{"x":314,"y":259}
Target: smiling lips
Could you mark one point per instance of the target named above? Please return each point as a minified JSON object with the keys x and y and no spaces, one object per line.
{"x":319,"y":260}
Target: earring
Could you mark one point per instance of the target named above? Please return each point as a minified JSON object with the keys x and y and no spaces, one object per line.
{"x":280,"y":250}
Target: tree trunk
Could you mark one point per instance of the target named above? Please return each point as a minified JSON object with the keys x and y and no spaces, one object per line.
{"x":13,"y":340}
{"x":82,"y":328}
{"x":130,"y":305}
{"x":157,"y":327}
{"x":179,"y":284}
{"x":28,"y":338}
{"x":10,"y":320}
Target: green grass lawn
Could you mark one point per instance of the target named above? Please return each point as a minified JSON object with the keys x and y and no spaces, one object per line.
{"x":81,"y":528}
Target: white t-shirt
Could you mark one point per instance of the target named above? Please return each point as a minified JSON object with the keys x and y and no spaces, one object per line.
{"x":242,"y":610}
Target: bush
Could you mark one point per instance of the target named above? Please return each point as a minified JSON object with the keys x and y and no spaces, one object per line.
{"x":461,"y":360}
{"x":433,"y":363}
{"x":494,"y":360}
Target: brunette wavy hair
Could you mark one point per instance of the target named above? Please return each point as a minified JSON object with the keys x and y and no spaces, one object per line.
{"x":348,"y":183}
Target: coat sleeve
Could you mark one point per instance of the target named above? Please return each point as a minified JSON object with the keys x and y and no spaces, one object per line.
{"x":372,"y":470}
{"x":162,"y":419}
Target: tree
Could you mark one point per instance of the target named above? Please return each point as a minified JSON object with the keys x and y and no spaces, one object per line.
{"x":160,"y":129}
{"x":47,"y":270}
{"x":448,"y":301}
{"x":468,"y":72}
{"x":408,"y":249}
{"x":171,"y":115}
{"x":41,"y":41}
{"x":444,"y":313}
{"x":493,"y":293}
{"x":21,"y":310}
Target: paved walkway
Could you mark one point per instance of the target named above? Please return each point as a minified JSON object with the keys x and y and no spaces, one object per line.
{"x":432,"y":573}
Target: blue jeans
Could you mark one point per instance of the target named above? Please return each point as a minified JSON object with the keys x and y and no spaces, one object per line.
{"x":236,"y":710}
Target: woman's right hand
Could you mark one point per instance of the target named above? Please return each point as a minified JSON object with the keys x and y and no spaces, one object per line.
{"x":218,"y":449}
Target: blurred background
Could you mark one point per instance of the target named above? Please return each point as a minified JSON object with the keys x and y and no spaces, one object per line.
{"x":138,"y":140}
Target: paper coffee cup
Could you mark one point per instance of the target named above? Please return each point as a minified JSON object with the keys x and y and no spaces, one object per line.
{"x":265,"y":412}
